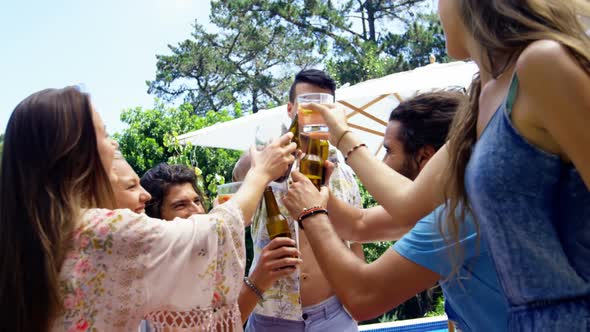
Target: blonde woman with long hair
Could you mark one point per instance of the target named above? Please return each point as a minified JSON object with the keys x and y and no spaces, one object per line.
{"x":69,"y":266}
{"x":518,"y":158}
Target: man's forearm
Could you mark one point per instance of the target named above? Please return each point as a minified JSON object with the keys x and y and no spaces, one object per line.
{"x":377,"y":225}
{"x":344,"y":217}
{"x":363,"y":225}
{"x":247,"y":301}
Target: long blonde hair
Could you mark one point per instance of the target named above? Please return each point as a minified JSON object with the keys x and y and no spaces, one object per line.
{"x":50,"y":170}
{"x":503,"y":29}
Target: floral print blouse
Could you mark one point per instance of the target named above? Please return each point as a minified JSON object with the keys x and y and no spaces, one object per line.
{"x":183,"y":275}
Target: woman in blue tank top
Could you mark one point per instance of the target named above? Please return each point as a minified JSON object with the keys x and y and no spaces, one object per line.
{"x":518,"y":156}
{"x":527,"y":177}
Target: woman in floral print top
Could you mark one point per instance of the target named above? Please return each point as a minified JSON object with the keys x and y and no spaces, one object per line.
{"x":75,"y":267}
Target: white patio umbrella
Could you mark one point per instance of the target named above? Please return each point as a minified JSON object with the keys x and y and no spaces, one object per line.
{"x":368,"y":105}
{"x":237,"y":134}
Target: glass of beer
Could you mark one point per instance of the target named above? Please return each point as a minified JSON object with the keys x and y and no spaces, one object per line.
{"x":226,"y":191}
{"x":312,"y":121}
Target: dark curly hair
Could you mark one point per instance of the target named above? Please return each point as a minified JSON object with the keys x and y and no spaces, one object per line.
{"x":426,"y":118}
{"x":160,"y":178}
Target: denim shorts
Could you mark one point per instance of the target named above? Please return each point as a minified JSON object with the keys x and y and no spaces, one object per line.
{"x":325,"y":316}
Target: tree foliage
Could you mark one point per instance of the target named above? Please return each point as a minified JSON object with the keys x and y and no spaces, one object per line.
{"x":392,"y":53}
{"x":249,"y":59}
{"x":258,"y":45}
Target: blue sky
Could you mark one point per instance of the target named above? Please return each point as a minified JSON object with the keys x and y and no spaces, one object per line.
{"x":110,"y":46}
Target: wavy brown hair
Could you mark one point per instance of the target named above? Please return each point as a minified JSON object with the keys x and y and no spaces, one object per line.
{"x":503,"y":29}
{"x":50,"y":171}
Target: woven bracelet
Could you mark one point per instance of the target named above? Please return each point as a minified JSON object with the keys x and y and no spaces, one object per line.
{"x":307,"y":210}
{"x":352,"y":150}
{"x":341,"y":137}
{"x":308,"y":214}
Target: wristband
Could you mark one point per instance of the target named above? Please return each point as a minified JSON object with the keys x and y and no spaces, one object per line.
{"x":310,"y":213}
{"x":352,"y":150}
{"x":341,"y":137}
{"x":306,"y":210}
{"x":253,"y":287}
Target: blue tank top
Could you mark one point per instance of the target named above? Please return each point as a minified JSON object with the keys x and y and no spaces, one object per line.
{"x":534,"y":211}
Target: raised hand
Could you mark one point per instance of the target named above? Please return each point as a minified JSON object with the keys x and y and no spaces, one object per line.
{"x":275,"y":158}
{"x":335,"y":118}
{"x":303,"y":194}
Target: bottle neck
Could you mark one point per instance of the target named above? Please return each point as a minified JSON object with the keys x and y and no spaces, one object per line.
{"x":294,"y":129}
{"x":295,"y":121}
{"x":272,"y":208}
{"x":314,"y":147}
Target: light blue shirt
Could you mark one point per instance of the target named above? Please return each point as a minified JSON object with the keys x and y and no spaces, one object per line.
{"x":473,"y":296}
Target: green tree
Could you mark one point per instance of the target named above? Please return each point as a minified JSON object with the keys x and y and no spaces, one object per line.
{"x":423,"y":37}
{"x":151,"y":138}
{"x":257,"y":45}
{"x":343,"y":22}
{"x":248,"y":59}
{"x":394,"y":52}
{"x":362,"y":39}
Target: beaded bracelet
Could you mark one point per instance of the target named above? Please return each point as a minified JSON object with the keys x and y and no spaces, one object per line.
{"x":254,"y":289}
{"x":306,"y":210}
{"x":353,"y":149}
{"x":310,"y":213}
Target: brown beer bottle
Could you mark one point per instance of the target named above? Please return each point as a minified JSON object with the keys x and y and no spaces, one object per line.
{"x":294,"y":129}
{"x":276,"y":224}
{"x":312,"y":164}
{"x":324,"y":154}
